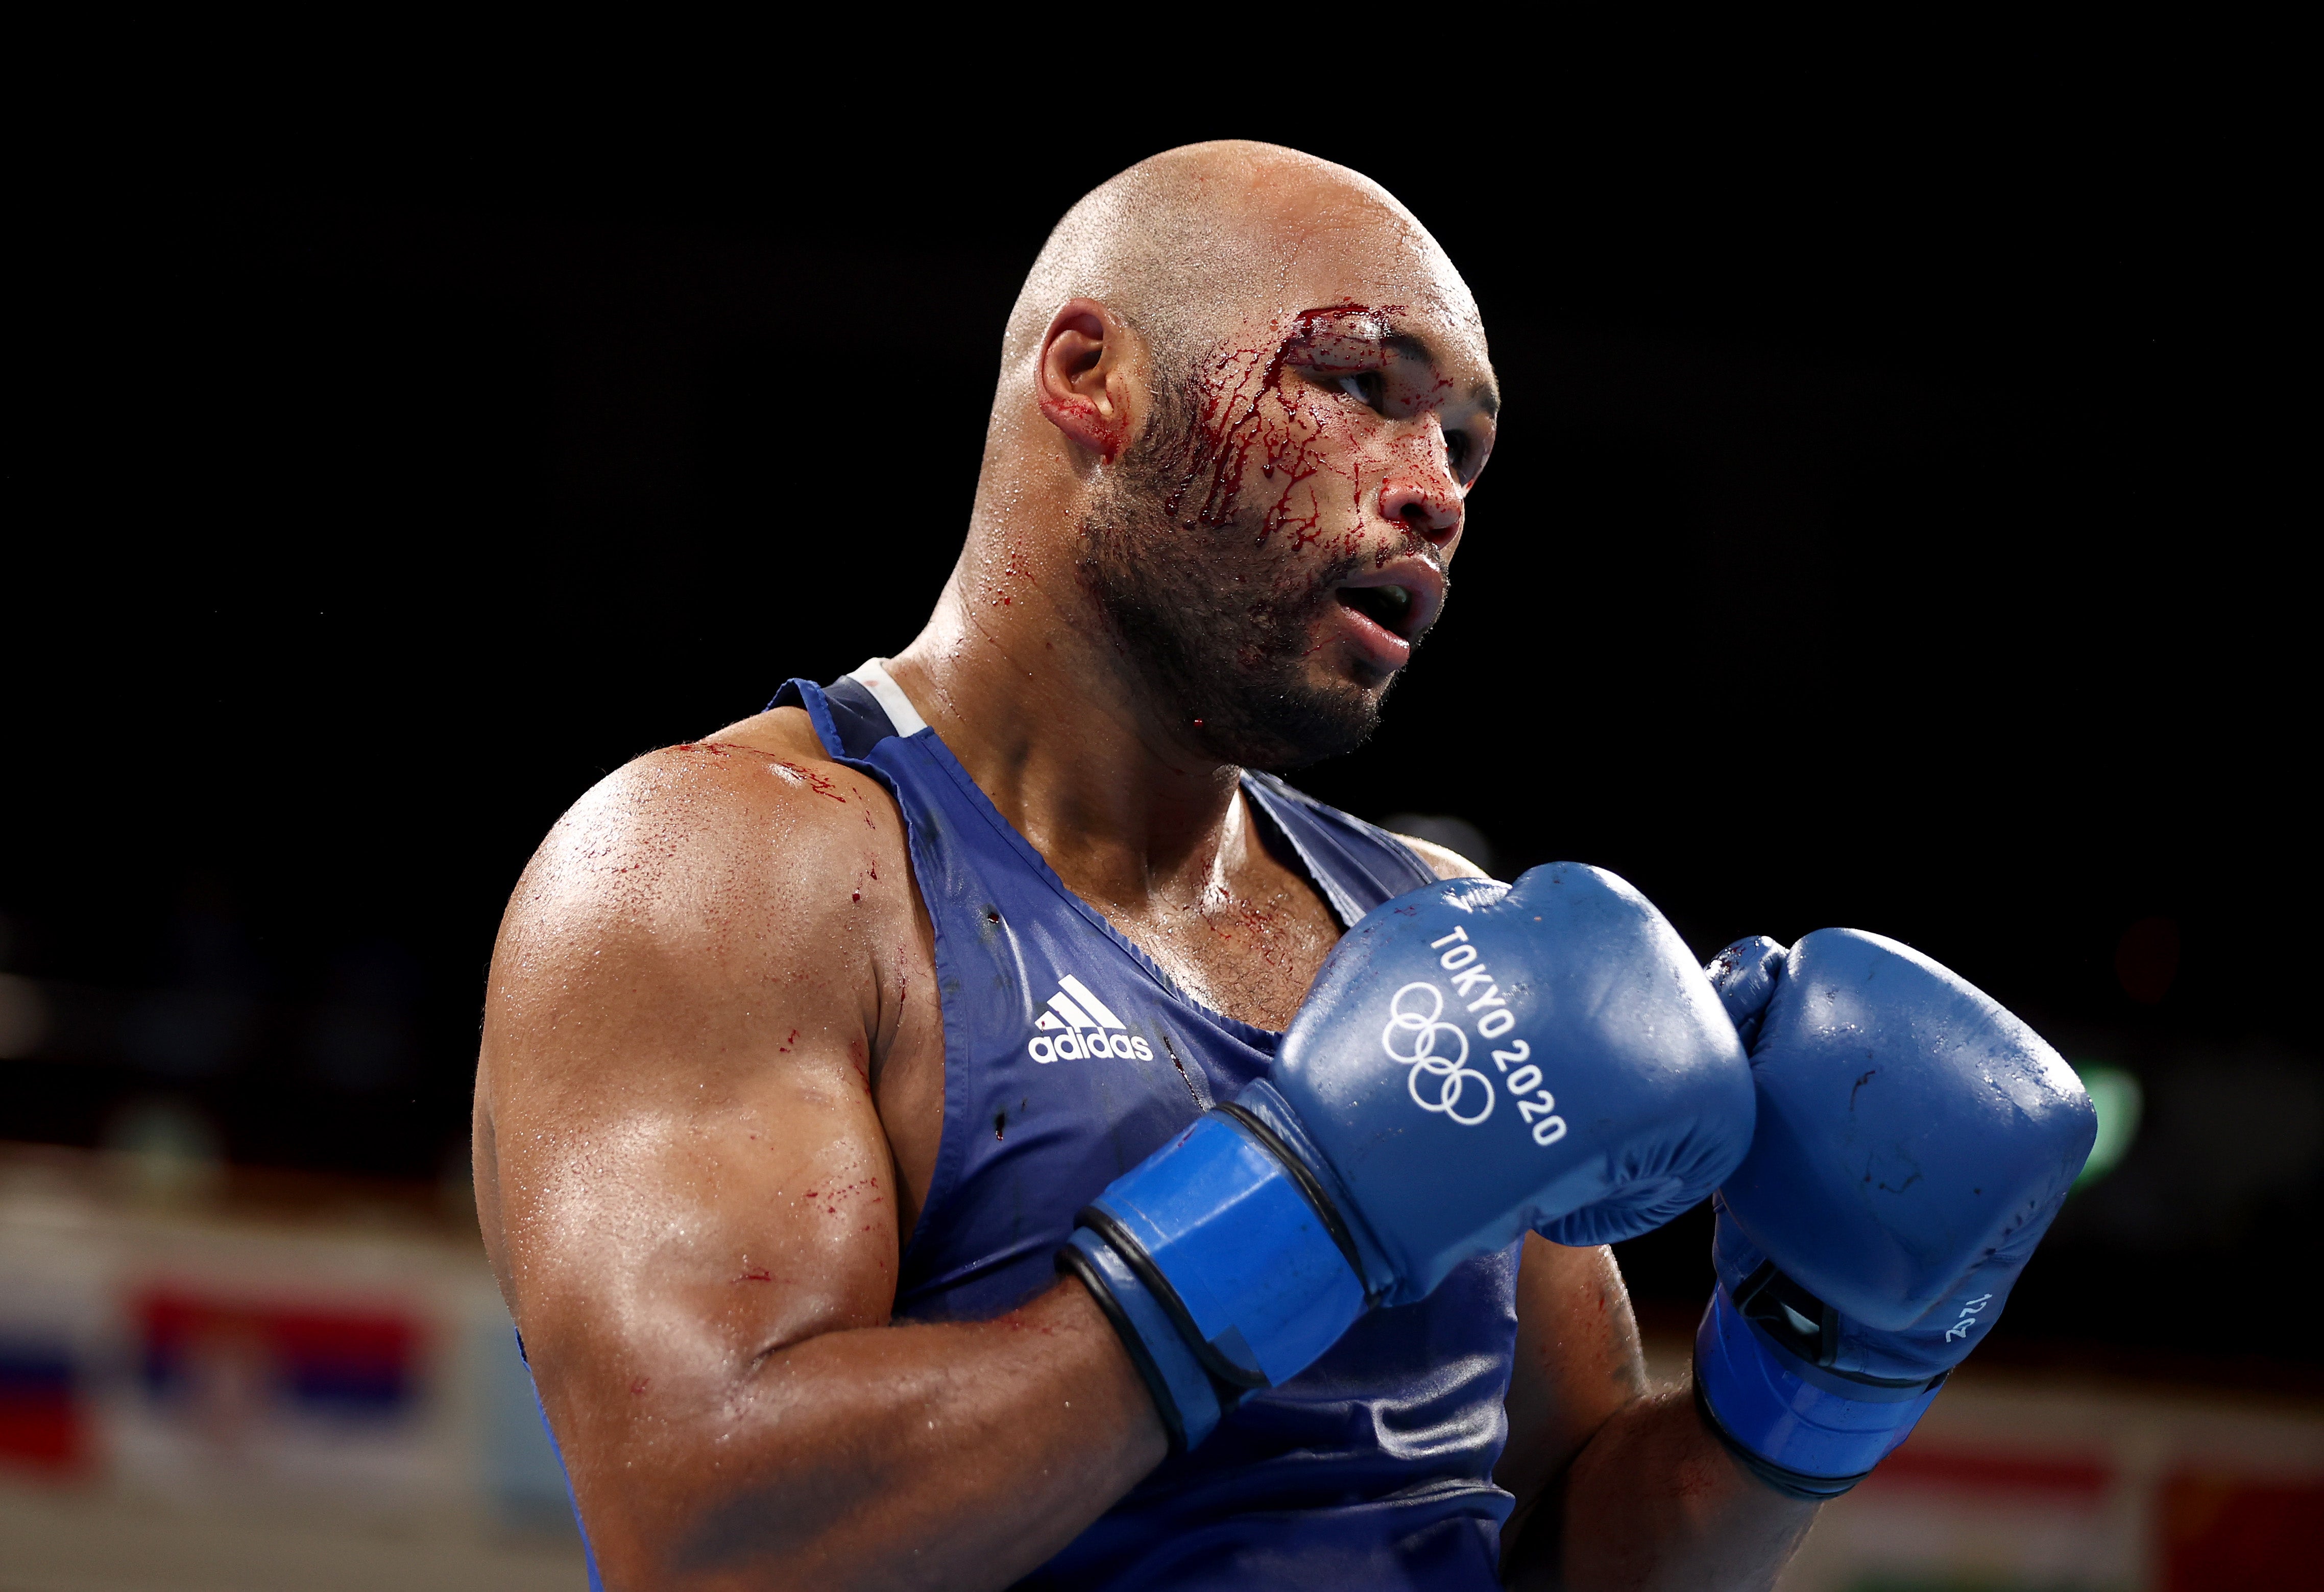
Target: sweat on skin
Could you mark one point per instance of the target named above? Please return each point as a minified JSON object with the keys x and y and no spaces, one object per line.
{"x":1243,"y":400}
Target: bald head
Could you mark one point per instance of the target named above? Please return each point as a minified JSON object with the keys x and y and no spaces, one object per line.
{"x":1243,"y":396}
{"x":1196,"y":239}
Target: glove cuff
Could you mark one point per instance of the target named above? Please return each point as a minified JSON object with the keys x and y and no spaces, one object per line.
{"x":1790,"y":1423}
{"x":1235,"y":1247}
{"x":1189,"y":1403}
{"x":1270,"y":1118}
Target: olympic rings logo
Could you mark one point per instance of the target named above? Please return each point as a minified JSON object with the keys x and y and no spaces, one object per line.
{"x":1451,"y":1074}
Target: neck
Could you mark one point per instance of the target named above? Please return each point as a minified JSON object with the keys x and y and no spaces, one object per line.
{"x":1019,"y":674}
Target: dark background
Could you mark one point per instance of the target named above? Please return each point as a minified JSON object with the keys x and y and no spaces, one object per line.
{"x":1894,"y":524}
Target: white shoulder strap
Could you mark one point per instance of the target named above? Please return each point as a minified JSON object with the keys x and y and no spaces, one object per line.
{"x":872,"y":675}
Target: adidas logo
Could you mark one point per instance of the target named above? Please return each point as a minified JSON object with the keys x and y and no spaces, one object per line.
{"x":1088,"y":1027}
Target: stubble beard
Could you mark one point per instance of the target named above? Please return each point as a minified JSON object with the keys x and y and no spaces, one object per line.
{"x":1215,"y":623}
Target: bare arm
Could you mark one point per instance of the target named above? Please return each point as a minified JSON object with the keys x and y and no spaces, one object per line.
{"x":1577,"y":1366}
{"x":1655,"y":1500}
{"x":1618,"y":1487}
{"x":694,"y":1206}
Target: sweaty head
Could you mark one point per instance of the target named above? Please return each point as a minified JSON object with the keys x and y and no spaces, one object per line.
{"x":1270,"y":512}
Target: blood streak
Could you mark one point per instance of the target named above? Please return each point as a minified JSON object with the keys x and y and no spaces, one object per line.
{"x":842,"y":1192}
{"x":813,"y":780}
{"x":1253,"y":415}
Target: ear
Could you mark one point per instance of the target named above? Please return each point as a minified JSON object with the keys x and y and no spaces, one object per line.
{"x":1087,"y":379}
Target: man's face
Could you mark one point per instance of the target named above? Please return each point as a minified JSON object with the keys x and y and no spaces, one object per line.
{"x":1275,"y":544}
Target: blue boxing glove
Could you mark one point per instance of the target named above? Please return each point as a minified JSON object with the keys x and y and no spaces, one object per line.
{"x":1913,"y":1141}
{"x":1473,"y":1060}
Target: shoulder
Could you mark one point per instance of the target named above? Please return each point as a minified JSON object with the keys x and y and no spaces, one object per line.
{"x":751,"y":829}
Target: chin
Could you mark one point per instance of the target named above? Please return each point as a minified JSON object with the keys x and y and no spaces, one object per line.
{"x":1290,"y":726}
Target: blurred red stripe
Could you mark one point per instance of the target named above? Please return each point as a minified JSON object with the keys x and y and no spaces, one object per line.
{"x":46,"y":1433}
{"x":2225,"y":1534}
{"x":1916,"y":1464}
{"x":297,"y":1335}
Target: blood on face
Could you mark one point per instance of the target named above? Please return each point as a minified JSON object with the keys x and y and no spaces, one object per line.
{"x":1268,"y":418}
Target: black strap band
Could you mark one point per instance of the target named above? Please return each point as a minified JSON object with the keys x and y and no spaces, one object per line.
{"x":1174,"y":1427}
{"x":1309,"y":1185}
{"x":1770,"y":1300}
{"x":1125,"y":1243}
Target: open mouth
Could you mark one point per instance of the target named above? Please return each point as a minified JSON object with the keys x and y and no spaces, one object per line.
{"x":1389,"y":606}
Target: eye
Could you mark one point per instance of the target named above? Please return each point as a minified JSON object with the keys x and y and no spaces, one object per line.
{"x":1458,"y":448}
{"x":1365,"y":389}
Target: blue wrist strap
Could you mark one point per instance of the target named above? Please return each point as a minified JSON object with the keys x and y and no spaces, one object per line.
{"x":1233,"y":1244}
{"x":1806,"y":1433}
{"x":1182,"y":1390}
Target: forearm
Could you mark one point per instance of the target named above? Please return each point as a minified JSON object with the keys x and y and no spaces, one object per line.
{"x":1655,"y":1501}
{"x":950,"y":1456}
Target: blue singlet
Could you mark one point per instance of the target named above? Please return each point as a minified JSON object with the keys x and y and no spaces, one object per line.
{"x":1069,"y":1057}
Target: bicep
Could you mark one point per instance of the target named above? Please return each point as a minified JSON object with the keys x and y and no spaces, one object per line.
{"x":689,"y":1169}
{"x":1577,"y":1360}
{"x":720,"y":1187}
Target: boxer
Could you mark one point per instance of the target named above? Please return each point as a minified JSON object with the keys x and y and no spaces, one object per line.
{"x":973,"y":1124}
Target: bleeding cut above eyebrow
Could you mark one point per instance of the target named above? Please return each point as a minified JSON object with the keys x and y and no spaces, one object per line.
{"x":1344,"y":338}
{"x":1347,"y":340}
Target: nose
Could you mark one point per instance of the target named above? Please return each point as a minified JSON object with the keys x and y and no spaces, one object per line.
{"x":1423,"y":500}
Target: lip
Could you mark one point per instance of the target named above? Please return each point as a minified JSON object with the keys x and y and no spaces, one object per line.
{"x":1390,"y":642}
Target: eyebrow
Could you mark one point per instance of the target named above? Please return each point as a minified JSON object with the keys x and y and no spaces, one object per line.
{"x":1412,"y":346}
